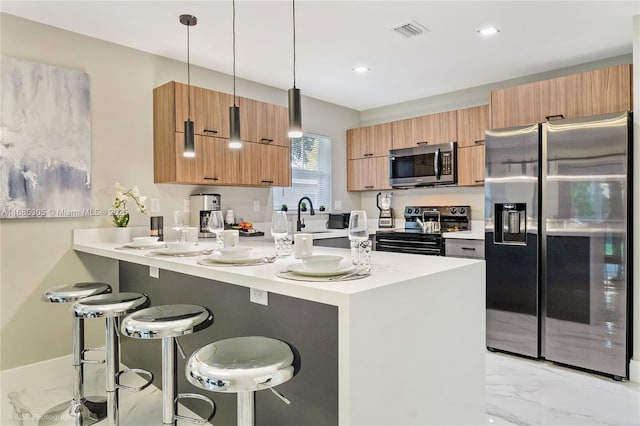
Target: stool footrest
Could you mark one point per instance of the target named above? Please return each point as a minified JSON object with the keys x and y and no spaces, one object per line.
{"x":140,"y":371}
{"x":92,"y":361}
{"x":191,"y":419}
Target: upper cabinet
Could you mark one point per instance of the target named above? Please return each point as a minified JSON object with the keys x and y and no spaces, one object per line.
{"x":472,"y":123}
{"x":425,"y":130}
{"x":263,"y":123}
{"x":262,"y":161}
{"x":602,"y":91}
{"x":369,"y":141}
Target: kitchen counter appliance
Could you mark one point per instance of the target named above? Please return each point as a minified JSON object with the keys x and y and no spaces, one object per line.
{"x":201,"y":207}
{"x":557,"y":230}
{"x":414,"y":238}
{"x":383,"y":201}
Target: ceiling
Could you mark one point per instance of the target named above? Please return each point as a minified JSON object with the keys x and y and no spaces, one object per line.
{"x":332,"y":37}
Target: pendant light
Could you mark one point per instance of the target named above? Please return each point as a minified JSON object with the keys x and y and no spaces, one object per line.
{"x":295,"y":107}
{"x":234,"y":111}
{"x":189,"y":144}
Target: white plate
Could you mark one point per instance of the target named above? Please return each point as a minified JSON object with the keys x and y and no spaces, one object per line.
{"x":144,"y":246}
{"x":299,"y":268}
{"x":233,"y":260}
{"x":169,"y":252}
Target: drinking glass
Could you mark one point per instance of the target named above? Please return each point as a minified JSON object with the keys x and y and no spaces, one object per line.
{"x":178,"y":225}
{"x":357,"y":233}
{"x":279,"y":231}
{"x":216,"y":226}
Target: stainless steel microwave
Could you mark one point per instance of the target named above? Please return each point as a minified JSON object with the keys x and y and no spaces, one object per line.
{"x":427,"y":165}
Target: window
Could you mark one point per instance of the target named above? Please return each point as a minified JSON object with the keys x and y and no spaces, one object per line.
{"x":310,"y":173}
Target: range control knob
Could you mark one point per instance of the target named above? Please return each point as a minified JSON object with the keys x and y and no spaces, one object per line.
{"x":453,"y":210}
{"x":462,"y":210}
{"x":409,"y":211}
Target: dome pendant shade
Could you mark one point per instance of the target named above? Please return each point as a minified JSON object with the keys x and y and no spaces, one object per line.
{"x":234,"y":127}
{"x":295,"y":113}
{"x":189,"y":144}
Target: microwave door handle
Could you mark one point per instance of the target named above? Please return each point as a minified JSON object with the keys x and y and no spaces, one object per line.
{"x":437,"y":164}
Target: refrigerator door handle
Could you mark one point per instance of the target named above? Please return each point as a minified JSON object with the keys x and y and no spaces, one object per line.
{"x":436,"y":164}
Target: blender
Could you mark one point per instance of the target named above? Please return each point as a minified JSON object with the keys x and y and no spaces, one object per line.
{"x":383,"y":201}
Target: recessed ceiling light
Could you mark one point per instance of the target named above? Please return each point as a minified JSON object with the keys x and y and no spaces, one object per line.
{"x":360,"y":69}
{"x":488,"y":31}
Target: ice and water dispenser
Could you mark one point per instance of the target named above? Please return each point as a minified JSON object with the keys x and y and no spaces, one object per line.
{"x":510,"y":223}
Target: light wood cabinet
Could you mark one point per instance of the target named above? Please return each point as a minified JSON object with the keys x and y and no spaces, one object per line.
{"x":265,"y":165}
{"x":472,"y":123}
{"x":369,"y":141}
{"x":263,"y":123}
{"x":255,"y":164}
{"x":471,"y":166}
{"x":602,"y":91}
{"x":428,"y":129}
{"x":368,"y":174}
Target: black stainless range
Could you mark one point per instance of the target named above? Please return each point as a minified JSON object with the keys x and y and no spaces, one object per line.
{"x":419,"y":235}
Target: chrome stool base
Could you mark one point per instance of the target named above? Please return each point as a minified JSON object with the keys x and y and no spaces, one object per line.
{"x":92,"y":410}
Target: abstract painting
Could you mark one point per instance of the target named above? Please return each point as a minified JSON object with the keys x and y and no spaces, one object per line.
{"x":45,"y":141}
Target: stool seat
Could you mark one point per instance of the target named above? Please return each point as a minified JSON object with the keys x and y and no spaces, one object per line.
{"x":158,"y":322}
{"x":241,"y":364}
{"x":110,"y":305}
{"x":73,"y":292}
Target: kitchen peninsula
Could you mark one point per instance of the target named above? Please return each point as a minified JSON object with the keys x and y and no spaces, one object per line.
{"x":405,"y":345}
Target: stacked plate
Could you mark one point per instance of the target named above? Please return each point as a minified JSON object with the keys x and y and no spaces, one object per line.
{"x":321,"y":266}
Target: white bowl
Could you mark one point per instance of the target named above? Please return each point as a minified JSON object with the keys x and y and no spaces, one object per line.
{"x":180,"y":246}
{"x":144,"y":240}
{"x":235,"y":252}
{"x":320,"y":262}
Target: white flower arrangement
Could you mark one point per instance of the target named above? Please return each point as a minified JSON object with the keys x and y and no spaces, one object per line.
{"x":120,"y":212}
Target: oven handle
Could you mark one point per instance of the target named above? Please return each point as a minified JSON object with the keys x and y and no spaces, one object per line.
{"x":437,"y":164}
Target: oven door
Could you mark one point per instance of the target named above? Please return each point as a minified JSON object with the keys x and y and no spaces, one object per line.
{"x":411,"y":243}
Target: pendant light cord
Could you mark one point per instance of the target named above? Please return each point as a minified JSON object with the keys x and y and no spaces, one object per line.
{"x":294,"y":44}
{"x":234,"y":52}
{"x":188,"y":78}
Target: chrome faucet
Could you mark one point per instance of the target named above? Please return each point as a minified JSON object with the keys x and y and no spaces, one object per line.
{"x":300,"y":223}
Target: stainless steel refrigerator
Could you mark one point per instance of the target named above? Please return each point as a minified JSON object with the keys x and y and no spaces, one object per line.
{"x":557,"y":241}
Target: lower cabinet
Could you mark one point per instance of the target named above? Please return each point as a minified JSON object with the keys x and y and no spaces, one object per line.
{"x":454,"y":247}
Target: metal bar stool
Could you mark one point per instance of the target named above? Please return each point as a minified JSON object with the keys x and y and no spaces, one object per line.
{"x":111,"y":307}
{"x":92,"y":409}
{"x":168,"y":322}
{"x":242,"y":365}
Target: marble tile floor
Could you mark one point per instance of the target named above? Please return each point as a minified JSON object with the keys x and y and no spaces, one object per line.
{"x":518,"y":392}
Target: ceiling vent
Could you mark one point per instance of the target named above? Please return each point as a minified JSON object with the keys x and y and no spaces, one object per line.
{"x":410,"y":29}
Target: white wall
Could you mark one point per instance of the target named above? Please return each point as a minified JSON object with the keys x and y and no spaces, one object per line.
{"x":36,"y":254}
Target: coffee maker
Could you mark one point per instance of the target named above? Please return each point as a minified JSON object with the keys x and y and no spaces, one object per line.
{"x":383,"y":201}
{"x":201,"y":207}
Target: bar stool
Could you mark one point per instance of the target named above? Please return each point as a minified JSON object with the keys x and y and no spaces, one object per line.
{"x":168,"y":322}
{"x":111,"y":307}
{"x":91,"y":409}
{"x":242,"y":365}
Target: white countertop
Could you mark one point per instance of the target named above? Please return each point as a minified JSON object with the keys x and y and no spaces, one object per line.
{"x":387,"y":268}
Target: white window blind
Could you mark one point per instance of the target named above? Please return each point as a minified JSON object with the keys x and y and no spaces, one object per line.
{"x":310,"y":173}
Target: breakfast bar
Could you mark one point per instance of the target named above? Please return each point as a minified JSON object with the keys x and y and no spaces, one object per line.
{"x":404,"y":345}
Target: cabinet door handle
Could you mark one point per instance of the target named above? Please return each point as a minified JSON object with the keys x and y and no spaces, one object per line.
{"x":479,"y":142}
{"x":367,"y":154}
{"x":210,"y":178}
{"x":210,"y":131}
{"x":422,"y":143}
{"x":368,"y":187}
{"x":479,"y":181}
{"x":469,"y":248}
{"x":266,"y":140}
{"x":266,"y":181}
{"x":554,"y":117}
